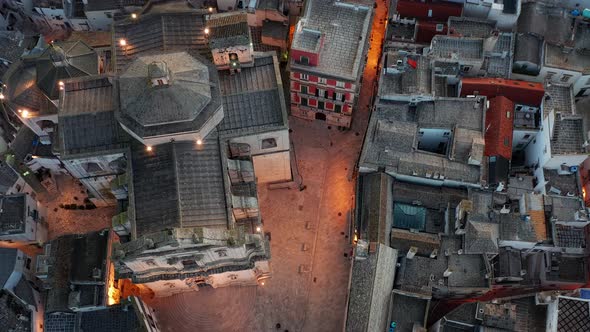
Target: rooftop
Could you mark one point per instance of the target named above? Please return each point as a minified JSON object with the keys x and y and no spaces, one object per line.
{"x":26,"y":144}
{"x":396,"y":130}
{"x":554,"y":24}
{"x":188,"y":91}
{"x":568,"y":135}
{"x":519,"y":92}
{"x":22,"y":90}
{"x":162,"y":26}
{"x":8,"y":258}
{"x":253,"y":100}
{"x":179,"y":185}
{"x":8,"y":177}
{"x":371,"y":284}
{"x":408,"y":310}
{"x":87,"y":121}
{"x":79,"y":259}
{"x":12,"y":214}
{"x":228,"y":29}
{"x":481,"y":237}
{"x":499,"y":126}
{"x":457,"y":48}
{"x":16,"y":316}
{"x":405,"y":74}
{"x":119,"y":317}
{"x":63,"y":60}
{"x":343,"y":47}
{"x":470,"y":27}
{"x":573,"y":314}
{"x":528,"y":47}
{"x":574,"y":58}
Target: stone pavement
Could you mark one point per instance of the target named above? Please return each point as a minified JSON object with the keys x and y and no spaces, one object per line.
{"x":61,"y":221}
{"x":309,"y":286}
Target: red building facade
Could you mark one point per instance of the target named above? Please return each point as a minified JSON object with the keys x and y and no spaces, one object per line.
{"x":326,"y":63}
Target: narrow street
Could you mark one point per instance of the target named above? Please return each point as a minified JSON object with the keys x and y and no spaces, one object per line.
{"x":310,"y":249}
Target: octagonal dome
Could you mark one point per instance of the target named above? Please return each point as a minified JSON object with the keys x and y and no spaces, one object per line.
{"x":165,"y":88}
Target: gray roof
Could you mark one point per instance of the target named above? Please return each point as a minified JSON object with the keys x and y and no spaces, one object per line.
{"x":63,"y":60}
{"x":481,"y":237}
{"x":345,"y":28}
{"x":371,"y":284}
{"x":179,"y":185}
{"x":573,"y":314}
{"x":568,"y":135}
{"x":22,"y":90}
{"x":8,"y":177}
{"x":87,"y":121}
{"x":7,"y":264}
{"x":113,"y":318}
{"x":190,"y":100}
{"x":275,"y":30}
{"x":408,"y":310}
{"x":499,"y":58}
{"x":449,"y":47}
{"x":13,"y":45}
{"x":13,"y":311}
{"x":576,"y":59}
{"x":102,"y":5}
{"x":228,"y":29}
{"x":392,"y":137}
{"x":568,"y":236}
{"x":551,"y":23}
{"x":563,"y":208}
{"x":403,"y":79}
{"x":528,"y":48}
{"x":160,"y":27}
{"x":253,"y":100}
{"x":514,"y":227}
{"x":560,"y":99}
{"x":470,"y":27}
{"x":75,"y":258}
{"x":12,"y":215}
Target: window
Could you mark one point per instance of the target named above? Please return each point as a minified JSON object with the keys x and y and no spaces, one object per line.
{"x":268,"y":143}
{"x":506,"y":141}
{"x":189,"y":263}
{"x":550,"y":75}
{"x":465,"y":69}
{"x":28,"y":263}
{"x":303,"y":101}
{"x":304,"y":60}
{"x":566,"y":78}
{"x":109,"y":15}
{"x":430,"y":13}
{"x":321,"y":105}
{"x":338,"y":108}
{"x":222,"y":253}
{"x":527,"y":136}
{"x":508,"y":115}
{"x":322,"y":93}
{"x":587,"y":81}
{"x":339,"y":96}
{"x":150,"y":262}
{"x":440,"y":27}
{"x":304,"y":89}
{"x":322,"y":80}
{"x":304,"y":77}
{"x":339,"y":84}
{"x":160,"y":82}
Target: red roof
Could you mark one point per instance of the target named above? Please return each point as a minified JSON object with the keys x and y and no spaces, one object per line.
{"x":439,"y":11}
{"x":499,"y":125}
{"x":520,"y":92}
{"x":427,"y":31}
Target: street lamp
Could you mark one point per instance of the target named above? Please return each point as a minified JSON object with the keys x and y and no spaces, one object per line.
{"x":122,"y":42}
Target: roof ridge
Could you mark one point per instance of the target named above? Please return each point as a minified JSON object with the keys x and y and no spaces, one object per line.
{"x":176,"y":180}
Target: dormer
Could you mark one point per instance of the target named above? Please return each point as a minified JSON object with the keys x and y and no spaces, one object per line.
{"x":306,"y":46}
{"x":158,"y":74}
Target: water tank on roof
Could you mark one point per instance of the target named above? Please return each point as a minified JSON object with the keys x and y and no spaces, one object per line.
{"x":573,"y":169}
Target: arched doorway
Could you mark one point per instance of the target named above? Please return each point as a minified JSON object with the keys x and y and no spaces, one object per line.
{"x":320,"y":116}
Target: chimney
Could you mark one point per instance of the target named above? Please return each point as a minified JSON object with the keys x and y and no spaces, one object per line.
{"x":447,"y":273}
{"x":412,"y":252}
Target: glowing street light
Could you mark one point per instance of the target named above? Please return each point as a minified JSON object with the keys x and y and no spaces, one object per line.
{"x":258,"y":229}
{"x":210,"y":9}
{"x":122,"y":42}
{"x":1,"y":96}
{"x":25,"y":113}
{"x":148,"y":148}
{"x":133,"y":16}
{"x":199,"y":142}
{"x":207,"y":30}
